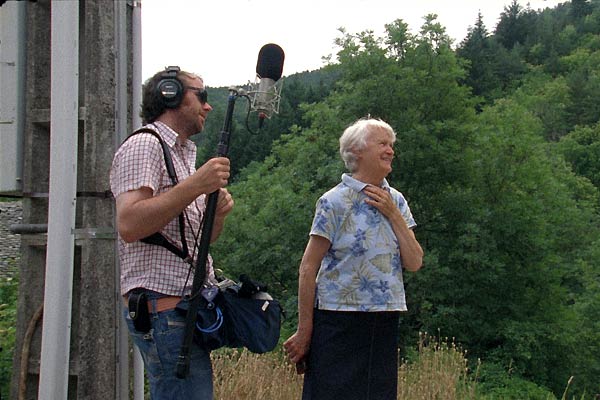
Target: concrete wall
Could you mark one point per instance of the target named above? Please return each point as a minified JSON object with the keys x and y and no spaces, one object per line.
{"x":95,"y":362}
{"x":11,"y":213}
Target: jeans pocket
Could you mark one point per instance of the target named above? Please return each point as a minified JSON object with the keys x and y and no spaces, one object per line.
{"x":147,"y":345}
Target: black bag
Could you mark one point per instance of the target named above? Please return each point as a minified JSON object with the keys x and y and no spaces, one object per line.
{"x":209,"y":331}
{"x":253,"y":323}
{"x":232,"y":319}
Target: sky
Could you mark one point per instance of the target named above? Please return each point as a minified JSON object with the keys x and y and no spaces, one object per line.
{"x":220,"y":39}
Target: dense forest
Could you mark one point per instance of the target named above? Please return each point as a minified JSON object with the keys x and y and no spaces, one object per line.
{"x":498,"y":154}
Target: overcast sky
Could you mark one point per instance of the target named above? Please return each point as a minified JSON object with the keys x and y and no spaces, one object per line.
{"x":220,"y":39}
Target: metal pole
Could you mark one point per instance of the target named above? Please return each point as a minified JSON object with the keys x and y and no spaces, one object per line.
{"x":183,"y":362}
{"x":136,"y":83}
{"x":122,"y":367}
{"x":58,"y":290}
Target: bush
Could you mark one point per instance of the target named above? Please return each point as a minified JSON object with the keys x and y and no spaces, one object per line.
{"x":8,"y":322}
{"x":496,"y":382}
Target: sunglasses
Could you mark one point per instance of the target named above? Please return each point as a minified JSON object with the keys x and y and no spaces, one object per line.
{"x":202,"y":94}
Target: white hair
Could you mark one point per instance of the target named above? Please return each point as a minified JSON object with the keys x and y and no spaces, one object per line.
{"x":354,"y":139}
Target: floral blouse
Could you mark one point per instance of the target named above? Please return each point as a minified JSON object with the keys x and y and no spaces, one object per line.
{"x":362,"y":270}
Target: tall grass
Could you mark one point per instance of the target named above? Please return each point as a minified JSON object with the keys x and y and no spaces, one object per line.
{"x":438,"y":372}
{"x":241,"y":375}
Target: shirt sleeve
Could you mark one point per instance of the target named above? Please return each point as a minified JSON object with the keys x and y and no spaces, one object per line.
{"x":324,"y":220}
{"x":404,"y":209}
{"x":138,"y":163}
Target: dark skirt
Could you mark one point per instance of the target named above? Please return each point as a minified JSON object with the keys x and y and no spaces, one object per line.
{"x":353,"y":355}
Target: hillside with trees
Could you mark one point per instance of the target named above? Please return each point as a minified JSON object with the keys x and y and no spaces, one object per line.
{"x":498,"y":154}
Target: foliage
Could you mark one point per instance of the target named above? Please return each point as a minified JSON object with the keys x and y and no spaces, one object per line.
{"x":8,"y":321}
{"x":549,"y":100}
{"x":497,"y":382}
{"x":499,"y":286}
{"x":480,"y":53}
{"x":581,"y":148}
{"x":563,"y":41}
{"x":247,"y":142}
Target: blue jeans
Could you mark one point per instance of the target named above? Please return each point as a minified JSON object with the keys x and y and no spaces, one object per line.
{"x":160,"y":349}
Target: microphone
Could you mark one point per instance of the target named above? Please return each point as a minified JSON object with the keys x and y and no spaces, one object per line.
{"x":269,"y":68}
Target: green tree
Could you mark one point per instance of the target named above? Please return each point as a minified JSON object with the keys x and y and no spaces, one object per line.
{"x":581,"y":148}
{"x":579,"y":9}
{"x":477,"y":49}
{"x":498,"y":283}
{"x":248,"y":143}
{"x":583,"y":77}
{"x":549,"y":100}
{"x":512,"y":27}
{"x":494,"y":68}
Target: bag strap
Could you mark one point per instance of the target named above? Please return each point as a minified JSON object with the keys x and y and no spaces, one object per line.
{"x":158,"y":238}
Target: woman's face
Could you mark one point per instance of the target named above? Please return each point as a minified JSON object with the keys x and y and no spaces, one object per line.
{"x":376,"y":157}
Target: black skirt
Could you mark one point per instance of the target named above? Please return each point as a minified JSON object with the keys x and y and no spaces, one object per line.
{"x":353,"y":356}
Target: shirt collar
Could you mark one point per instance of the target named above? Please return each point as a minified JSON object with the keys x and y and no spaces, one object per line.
{"x":358,"y":186}
{"x":169,"y":135}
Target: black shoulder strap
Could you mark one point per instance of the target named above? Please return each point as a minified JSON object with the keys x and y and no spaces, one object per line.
{"x":166,"y":152}
{"x":157,"y":238}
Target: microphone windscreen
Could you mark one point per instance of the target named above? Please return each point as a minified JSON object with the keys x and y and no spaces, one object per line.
{"x":270,"y":62}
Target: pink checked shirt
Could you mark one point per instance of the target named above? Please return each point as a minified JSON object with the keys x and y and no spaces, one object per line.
{"x":138,"y":163}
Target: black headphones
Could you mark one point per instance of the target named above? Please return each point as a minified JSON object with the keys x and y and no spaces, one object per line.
{"x":169,"y":88}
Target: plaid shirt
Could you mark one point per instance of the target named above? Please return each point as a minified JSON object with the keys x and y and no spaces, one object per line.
{"x":138,"y":163}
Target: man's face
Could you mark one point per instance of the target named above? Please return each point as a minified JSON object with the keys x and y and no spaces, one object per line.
{"x":194,"y":106}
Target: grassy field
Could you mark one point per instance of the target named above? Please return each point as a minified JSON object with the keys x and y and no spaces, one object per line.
{"x":439,"y":372}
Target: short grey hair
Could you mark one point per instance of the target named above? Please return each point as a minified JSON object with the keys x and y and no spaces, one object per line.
{"x":354,"y":139}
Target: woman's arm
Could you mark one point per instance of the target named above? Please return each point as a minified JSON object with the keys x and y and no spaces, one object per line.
{"x":298,"y":344}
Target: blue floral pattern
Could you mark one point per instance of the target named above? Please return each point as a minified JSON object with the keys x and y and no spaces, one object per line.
{"x":362,"y":271}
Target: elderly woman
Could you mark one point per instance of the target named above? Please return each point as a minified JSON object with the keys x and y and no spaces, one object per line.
{"x":351,"y":290}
